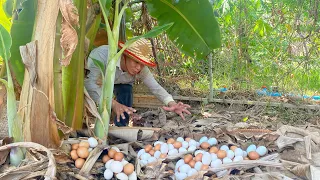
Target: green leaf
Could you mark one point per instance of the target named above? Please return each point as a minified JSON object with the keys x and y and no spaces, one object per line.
{"x":5,"y":43}
{"x":4,"y":20}
{"x":153,"y":32}
{"x":99,"y":64}
{"x":21,"y":32}
{"x":8,"y":7}
{"x":106,"y":5}
{"x":195,"y":30}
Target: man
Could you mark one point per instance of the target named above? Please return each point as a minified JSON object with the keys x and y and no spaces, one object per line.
{"x":132,"y":65}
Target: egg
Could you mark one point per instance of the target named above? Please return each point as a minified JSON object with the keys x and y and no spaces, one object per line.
{"x":157,"y":142}
{"x":118,"y":156}
{"x":83,"y":152}
{"x":163,"y":156}
{"x":185,"y":168}
{"x":245,"y":154}
{"x":177,"y":144}
{"x":173,"y":152}
{"x":147,"y":148}
{"x":204,"y":167}
{"x":79,"y":163}
{"x":203,"y":139}
{"x":133,"y":176}
{"x":192,"y":163}
{"x":212,"y":141}
{"x":261,"y":150}
{"x":205,"y":145}
{"x":226,"y":160}
{"x":206,"y":159}
{"x":213,"y":149}
{"x":92,"y":142}
{"x":145,"y":156}
{"x":253,"y":155}
{"x":224,"y":147}
{"x":105,"y":158}
{"x":124,"y":162}
{"x":122,"y":176}
{"x":192,"y":143}
{"x":180,"y":139}
{"x":233,"y":148}
{"x":192,"y":172}
{"x":164,"y":148}
{"x":221,"y":154}
{"x":192,"y":148}
{"x":198,"y":157}
{"x":182,"y":150}
{"x":140,"y":152}
{"x":152,"y":160}
{"x":151,"y":152}
{"x":108,"y":164}
{"x":170,"y":146}
{"x":252,"y":147}
{"x":170,"y":141}
{"x":187,"y":158}
{"x":116,"y":167}
{"x":237,"y":158}
{"x":216,"y":163}
{"x":111,"y":153}
{"x":108,"y":174}
{"x":198,"y":145}
{"x":128,"y":168}
{"x":198,"y":151}
{"x":157,"y":154}
{"x":90,"y":149}
{"x":179,"y":163}
{"x":180,"y":176}
{"x":115,"y":148}
{"x":185,"y":144}
{"x":198,"y":166}
{"x":157,"y":147}
{"x":74,"y":146}
{"x":74,"y":154}
{"x":143,"y":162}
{"x":84,"y":144}
{"x":213,"y":156}
{"x":230,"y":154}
{"x":187,"y":139}
{"x":238,"y":152}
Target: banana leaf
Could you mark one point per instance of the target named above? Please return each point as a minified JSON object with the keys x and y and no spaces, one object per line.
{"x":195,"y":30}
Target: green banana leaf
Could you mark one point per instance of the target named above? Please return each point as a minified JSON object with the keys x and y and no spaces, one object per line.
{"x":195,"y":30}
{"x":21,"y":33}
{"x":4,"y":19}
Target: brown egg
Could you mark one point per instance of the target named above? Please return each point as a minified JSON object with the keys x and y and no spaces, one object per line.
{"x":205,"y":145}
{"x":105,"y":158}
{"x":177,"y":144}
{"x":79,"y":163}
{"x":157,"y":147}
{"x":151,"y":152}
{"x":84,"y":144}
{"x":147,"y":148}
{"x":83,"y":152}
{"x":204,"y":167}
{"x":170,"y":171}
{"x":74,"y":146}
{"x":118,"y":156}
{"x":233,"y":148}
{"x":170,"y":141}
{"x":253,"y":155}
{"x":162,"y":156}
{"x":192,"y":163}
{"x":221,"y":154}
{"x":187,"y":158}
{"x":74,"y":154}
{"x":128,"y":169}
{"x":187,"y":139}
{"x":246,"y":158}
{"x":198,"y":157}
{"x":213,"y":149}
{"x":111,"y":153}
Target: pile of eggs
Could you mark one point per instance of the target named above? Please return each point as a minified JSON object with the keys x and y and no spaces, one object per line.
{"x":180,"y":146}
{"x":80,"y":151}
{"x":117,"y":166}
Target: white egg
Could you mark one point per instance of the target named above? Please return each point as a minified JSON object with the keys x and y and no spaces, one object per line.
{"x":245,"y":154}
{"x":180,"y":176}
{"x":108,"y":174}
{"x":157,"y":154}
{"x":124,"y":162}
{"x":170,"y":146}
{"x":116,"y":167}
{"x":164,"y":148}
{"x":142,"y":151}
{"x":238,"y":152}
{"x":157,"y":142}
{"x":173,"y":152}
{"x":226,"y":160}
{"x":192,"y":172}
{"x":145,"y":156}
{"x":213,"y":156}
{"x":115,"y":148}
{"x":185,"y":144}
{"x":185,"y":168}
{"x":216,"y":163}
{"x":198,"y":145}
{"x":224,"y":147}
{"x":192,"y":142}
{"x":198,"y":166}
{"x":179,"y":163}
{"x":206,"y":158}
{"x":262,"y":150}
{"x":180,"y":139}
{"x":122,"y":176}
{"x":108,"y":163}
{"x":90,"y":149}
{"x":92,"y":142}
{"x":143,"y":162}
{"x":203,"y":139}
{"x":133,"y":176}
{"x":238,"y":158}
{"x":182,"y":150}
{"x":152,"y":159}
{"x":198,"y":151}
{"x":192,"y":148}
{"x":212,"y":141}
{"x":252,"y":147}
{"x":230,"y":154}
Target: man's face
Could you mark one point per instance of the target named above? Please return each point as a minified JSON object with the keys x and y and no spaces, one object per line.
{"x":133,"y":67}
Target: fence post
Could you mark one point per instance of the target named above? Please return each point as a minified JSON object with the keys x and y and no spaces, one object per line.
{"x":211,"y":78}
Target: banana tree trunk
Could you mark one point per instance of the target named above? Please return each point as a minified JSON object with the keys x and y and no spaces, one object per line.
{"x":37,"y":100}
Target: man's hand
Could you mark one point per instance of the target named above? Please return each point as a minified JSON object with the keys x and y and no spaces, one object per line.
{"x":119,"y":109}
{"x":178,"y":108}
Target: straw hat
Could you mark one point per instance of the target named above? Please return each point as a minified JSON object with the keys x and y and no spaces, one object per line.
{"x":140,"y":51}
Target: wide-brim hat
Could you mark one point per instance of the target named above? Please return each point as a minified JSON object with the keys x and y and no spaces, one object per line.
{"x":140,"y":51}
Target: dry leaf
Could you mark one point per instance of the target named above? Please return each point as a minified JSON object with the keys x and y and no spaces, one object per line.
{"x":4,"y":154}
{"x":29,"y":57}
